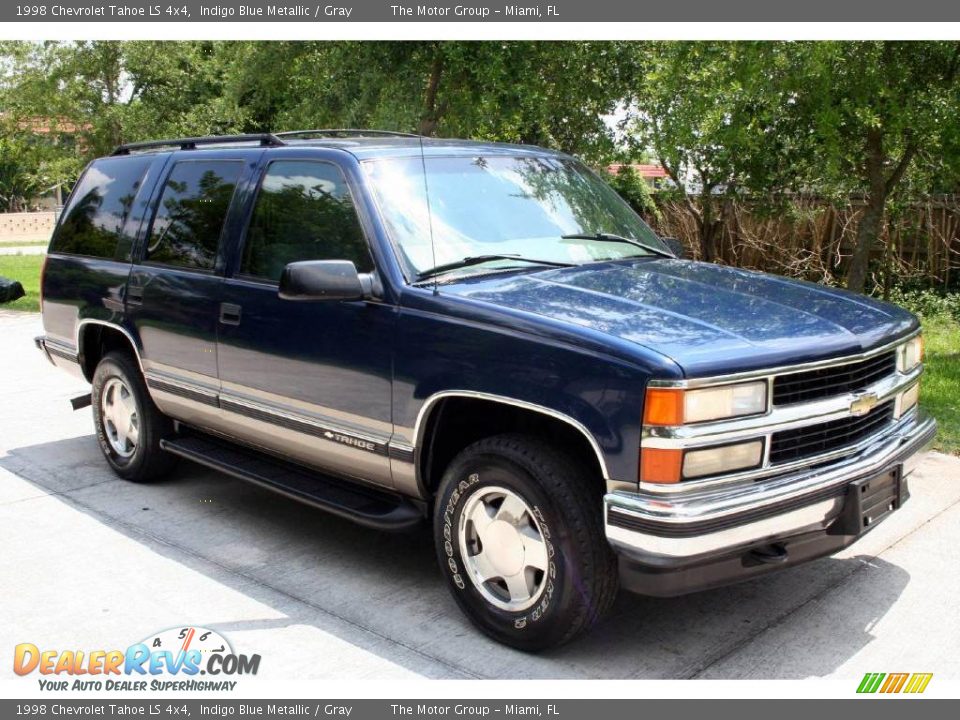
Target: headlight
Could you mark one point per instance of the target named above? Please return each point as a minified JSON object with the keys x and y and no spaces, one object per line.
{"x":910,"y":354}
{"x":676,"y":406}
{"x":714,"y":461}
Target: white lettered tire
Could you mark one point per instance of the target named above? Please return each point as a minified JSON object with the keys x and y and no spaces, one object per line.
{"x":519,"y":534}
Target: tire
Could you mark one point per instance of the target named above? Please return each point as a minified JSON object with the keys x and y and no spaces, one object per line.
{"x":478,"y":523}
{"x":132,"y":449}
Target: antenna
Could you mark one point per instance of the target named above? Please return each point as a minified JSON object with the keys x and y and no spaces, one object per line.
{"x":426,"y":191}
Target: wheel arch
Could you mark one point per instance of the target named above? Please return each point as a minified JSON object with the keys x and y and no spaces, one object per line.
{"x":95,"y":338}
{"x":432,"y":455}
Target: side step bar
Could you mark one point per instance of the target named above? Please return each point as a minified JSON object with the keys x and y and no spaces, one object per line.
{"x":366,"y":506}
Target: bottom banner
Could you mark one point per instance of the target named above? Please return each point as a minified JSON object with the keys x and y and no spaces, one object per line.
{"x":614,"y":709}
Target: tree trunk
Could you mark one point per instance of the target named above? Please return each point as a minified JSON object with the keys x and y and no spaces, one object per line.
{"x":708,"y":229}
{"x":430,"y":118}
{"x":868,"y":229}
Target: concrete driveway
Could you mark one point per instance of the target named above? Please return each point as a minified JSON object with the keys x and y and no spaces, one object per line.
{"x":91,"y":561}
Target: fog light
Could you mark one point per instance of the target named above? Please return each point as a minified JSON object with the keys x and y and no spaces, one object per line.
{"x":724,"y":459}
{"x":908,"y":399}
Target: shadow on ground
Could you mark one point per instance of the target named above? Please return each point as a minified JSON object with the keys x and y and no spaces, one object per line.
{"x":384,"y":593}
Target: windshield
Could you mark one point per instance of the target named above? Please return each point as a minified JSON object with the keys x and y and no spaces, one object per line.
{"x":520,"y":206}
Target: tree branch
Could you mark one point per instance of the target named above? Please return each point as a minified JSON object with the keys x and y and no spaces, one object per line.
{"x":901,"y":166}
{"x":674,"y":175}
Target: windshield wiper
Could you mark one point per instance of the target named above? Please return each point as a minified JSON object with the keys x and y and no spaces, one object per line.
{"x":480,"y":259}
{"x":610,"y":237}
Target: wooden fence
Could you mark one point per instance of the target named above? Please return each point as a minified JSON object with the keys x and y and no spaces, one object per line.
{"x":814,"y":239}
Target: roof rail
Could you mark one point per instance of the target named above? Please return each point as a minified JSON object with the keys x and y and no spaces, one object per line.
{"x":344,"y":132}
{"x":192,"y":143}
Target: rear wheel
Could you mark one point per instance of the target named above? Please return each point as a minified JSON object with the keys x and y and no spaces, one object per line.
{"x":519,"y":534}
{"x":129,"y":426}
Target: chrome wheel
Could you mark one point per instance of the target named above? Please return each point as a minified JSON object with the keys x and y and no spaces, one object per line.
{"x":503,"y":549}
{"x":121,"y":424}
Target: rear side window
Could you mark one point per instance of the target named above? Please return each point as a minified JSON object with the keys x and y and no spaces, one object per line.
{"x":193,"y":206}
{"x":304,"y":211}
{"x":100,"y":206}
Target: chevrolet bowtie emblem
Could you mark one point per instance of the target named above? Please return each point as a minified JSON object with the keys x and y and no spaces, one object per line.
{"x":863,"y":404}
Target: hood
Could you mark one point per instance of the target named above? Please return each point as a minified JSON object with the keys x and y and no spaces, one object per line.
{"x":709,"y":319}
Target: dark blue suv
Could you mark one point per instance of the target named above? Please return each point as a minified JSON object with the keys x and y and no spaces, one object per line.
{"x":483,"y":336}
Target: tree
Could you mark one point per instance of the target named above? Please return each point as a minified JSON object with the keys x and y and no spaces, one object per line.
{"x":553,"y":94}
{"x":710,"y":113}
{"x":870,"y":114}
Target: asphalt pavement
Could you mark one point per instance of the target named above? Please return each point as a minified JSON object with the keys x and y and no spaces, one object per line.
{"x":89,"y":560}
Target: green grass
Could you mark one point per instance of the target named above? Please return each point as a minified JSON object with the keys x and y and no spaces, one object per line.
{"x":21,"y":243}
{"x":940,"y":387}
{"x":26,"y":269}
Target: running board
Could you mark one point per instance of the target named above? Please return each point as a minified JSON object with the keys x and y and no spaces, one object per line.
{"x":366,"y":506}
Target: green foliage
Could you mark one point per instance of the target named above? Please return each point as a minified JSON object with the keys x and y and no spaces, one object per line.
{"x":928,"y":304}
{"x":31,"y":166}
{"x":632,"y":188}
{"x":551,"y":94}
{"x":103,"y":93}
{"x":711,"y":112}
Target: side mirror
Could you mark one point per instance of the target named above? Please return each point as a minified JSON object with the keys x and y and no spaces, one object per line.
{"x":324,"y":280}
{"x":675,"y":246}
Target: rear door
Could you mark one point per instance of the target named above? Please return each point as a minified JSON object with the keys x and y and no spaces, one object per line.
{"x":309,"y":380}
{"x":173,"y":296}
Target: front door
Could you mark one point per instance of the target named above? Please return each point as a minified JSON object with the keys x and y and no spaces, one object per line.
{"x":308,"y":380}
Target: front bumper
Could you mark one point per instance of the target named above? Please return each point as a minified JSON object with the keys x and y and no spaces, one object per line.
{"x":679,"y":543}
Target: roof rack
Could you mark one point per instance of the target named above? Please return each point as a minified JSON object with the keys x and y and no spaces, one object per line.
{"x":344,"y":132}
{"x":192,"y":143}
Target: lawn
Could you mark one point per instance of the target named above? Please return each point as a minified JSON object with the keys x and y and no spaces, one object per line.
{"x":26,"y":269}
{"x":940,"y":389}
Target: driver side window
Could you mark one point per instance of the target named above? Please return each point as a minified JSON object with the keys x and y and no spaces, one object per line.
{"x":304,"y":211}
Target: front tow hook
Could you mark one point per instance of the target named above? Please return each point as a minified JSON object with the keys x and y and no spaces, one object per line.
{"x":775,"y":554}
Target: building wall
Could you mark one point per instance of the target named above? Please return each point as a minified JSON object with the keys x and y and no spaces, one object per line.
{"x":26,"y":227}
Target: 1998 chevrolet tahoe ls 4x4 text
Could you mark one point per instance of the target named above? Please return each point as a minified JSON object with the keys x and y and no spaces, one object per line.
{"x":397,"y":329}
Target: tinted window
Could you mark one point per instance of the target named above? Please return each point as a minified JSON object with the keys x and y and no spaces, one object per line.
{"x":304,"y":212}
{"x":100,"y":206}
{"x":189,"y":219}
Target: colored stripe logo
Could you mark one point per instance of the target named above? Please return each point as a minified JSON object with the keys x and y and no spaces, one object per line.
{"x":914,"y":683}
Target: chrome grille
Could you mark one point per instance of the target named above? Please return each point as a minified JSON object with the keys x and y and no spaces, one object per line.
{"x":812,"y":440}
{"x":835,"y":380}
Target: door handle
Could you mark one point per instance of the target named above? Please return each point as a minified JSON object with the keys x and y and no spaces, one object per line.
{"x":134,"y":294}
{"x":229,"y":314}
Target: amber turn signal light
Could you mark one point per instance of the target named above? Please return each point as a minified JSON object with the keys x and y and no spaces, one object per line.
{"x":663,"y":406}
{"x":660,"y":466}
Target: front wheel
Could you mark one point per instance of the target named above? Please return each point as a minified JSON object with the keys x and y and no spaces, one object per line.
{"x":129,"y":426}
{"x":519,"y":534}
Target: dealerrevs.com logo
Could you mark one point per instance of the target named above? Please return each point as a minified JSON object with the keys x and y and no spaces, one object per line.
{"x":172,"y":659}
